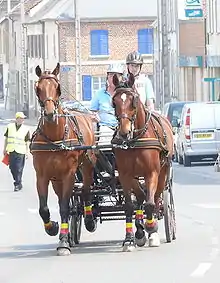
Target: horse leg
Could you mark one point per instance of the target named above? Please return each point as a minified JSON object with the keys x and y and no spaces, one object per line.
{"x":64,"y":190}
{"x":87,"y":172}
{"x":129,"y":241}
{"x":140,"y":238}
{"x":151,"y":224}
{"x":51,"y":227}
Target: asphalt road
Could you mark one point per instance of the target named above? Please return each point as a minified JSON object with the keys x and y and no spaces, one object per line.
{"x":28,"y":255}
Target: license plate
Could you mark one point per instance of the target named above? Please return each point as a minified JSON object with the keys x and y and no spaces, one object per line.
{"x":203,"y":136}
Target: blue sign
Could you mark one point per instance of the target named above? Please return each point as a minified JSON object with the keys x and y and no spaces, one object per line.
{"x":66,"y":69}
{"x":194,"y":13}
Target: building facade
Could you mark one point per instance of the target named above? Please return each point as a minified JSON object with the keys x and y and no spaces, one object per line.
{"x":192,"y":60}
{"x":166,"y":52}
{"x":102,"y":43}
{"x":107,"y":35}
{"x":212,"y":22}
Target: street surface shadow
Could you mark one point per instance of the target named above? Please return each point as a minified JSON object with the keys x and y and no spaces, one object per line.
{"x":45,"y":251}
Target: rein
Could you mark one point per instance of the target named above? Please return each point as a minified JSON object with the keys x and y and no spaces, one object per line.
{"x":139,"y":141}
{"x":71,"y":123}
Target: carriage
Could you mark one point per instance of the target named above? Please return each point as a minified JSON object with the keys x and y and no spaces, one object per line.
{"x":90,"y":176}
{"x":108,"y":198}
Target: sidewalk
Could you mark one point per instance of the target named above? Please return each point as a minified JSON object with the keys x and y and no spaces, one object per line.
{"x":7,"y":116}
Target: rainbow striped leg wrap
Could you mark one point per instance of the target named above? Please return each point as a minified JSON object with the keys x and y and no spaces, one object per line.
{"x":139,"y":215}
{"x":88,"y":210}
{"x":129,"y":227}
{"x":64,"y":229}
{"x":151,"y":223}
{"x":48,"y":225}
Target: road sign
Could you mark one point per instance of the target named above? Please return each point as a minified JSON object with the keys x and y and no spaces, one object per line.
{"x":193,"y":3}
{"x":193,"y":9}
{"x":194,"y":13}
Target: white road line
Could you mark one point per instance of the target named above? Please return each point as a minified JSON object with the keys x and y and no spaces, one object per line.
{"x":201,"y":269}
{"x":215,"y":240}
{"x":207,"y":205}
{"x":214,"y":254}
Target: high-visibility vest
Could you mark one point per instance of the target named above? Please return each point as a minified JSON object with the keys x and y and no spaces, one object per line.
{"x":16,"y":139}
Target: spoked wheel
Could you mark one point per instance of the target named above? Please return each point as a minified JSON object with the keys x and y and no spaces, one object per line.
{"x":169,"y":214}
{"x":75,"y":223}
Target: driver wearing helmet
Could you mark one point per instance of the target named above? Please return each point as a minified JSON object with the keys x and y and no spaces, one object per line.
{"x":142,"y":85}
{"x":102,"y":101}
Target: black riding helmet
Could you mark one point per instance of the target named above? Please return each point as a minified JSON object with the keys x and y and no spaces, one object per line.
{"x":134,"y":58}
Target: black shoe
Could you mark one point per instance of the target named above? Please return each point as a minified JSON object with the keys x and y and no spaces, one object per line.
{"x":18,"y":188}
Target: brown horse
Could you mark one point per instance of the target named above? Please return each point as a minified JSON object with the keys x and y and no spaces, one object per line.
{"x":54,"y":160}
{"x":147,"y":139}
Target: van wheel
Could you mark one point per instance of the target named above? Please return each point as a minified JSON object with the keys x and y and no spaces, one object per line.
{"x":180,"y":159}
{"x":186,"y":161}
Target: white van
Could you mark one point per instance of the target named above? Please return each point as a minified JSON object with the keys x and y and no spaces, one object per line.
{"x":198,"y":133}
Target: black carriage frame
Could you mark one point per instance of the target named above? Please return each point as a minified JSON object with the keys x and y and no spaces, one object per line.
{"x":108,"y":198}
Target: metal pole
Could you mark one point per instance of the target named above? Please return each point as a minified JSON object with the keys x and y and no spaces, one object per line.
{"x":8,"y":6}
{"x":23,"y":68}
{"x":77,"y":50}
{"x":9,"y":100}
{"x":165,"y":51}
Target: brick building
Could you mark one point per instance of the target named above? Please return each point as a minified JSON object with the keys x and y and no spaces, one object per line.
{"x":101,"y":43}
{"x":192,"y":60}
{"x":109,"y":31}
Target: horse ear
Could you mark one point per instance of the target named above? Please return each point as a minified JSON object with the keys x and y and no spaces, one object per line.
{"x":56,"y":71}
{"x":115,"y":80}
{"x":38,"y":71}
{"x":131,"y":80}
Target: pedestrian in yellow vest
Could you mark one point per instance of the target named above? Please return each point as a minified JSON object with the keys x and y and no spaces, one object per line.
{"x":17,"y":137}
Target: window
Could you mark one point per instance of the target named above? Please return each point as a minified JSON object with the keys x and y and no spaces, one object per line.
{"x":145,"y":41}
{"x":35,"y":46}
{"x":99,"y":42}
{"x":98,"y":83}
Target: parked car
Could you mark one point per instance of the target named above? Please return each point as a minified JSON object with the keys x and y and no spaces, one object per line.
{"x":199,"y":132}
{"x":172,"y":111}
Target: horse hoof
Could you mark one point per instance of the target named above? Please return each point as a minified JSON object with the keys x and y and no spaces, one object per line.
{"x":63,"y":252}
{"x":128,"y":247}
{"x":53,"y":230}
{"x":141,"y":242}
{"x":154,"y":240}
{"x":90,"y":224}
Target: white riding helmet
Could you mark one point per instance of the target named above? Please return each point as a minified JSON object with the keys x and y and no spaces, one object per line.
{"x":116,"y":68}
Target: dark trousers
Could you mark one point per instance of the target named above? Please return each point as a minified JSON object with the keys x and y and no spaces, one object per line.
{"x":16,"y":165}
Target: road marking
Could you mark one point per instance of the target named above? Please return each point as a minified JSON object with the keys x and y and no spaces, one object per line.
{"x":207,"y":205}
{"x":2,"y":213}
{"x":215,"y":240}
{"x":214,"y":254}
{"x":201,"y":269}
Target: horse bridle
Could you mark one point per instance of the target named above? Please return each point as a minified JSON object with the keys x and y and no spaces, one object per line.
{"x":55,"y":102}
{"x":132,"y":119}
{"x":135,"y":97}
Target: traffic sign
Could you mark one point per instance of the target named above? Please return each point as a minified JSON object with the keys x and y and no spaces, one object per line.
{"x":193,"y":13}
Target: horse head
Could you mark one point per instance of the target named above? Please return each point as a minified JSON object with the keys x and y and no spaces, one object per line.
{"x":125,"y":101}
{"x":48,"y":91}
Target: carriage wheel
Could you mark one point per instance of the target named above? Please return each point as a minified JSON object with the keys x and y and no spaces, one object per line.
{"x":75,"y":222}
{"x":169,"y":214}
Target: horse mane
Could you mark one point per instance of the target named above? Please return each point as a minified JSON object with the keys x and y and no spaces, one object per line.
{"x":123,"y":84}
